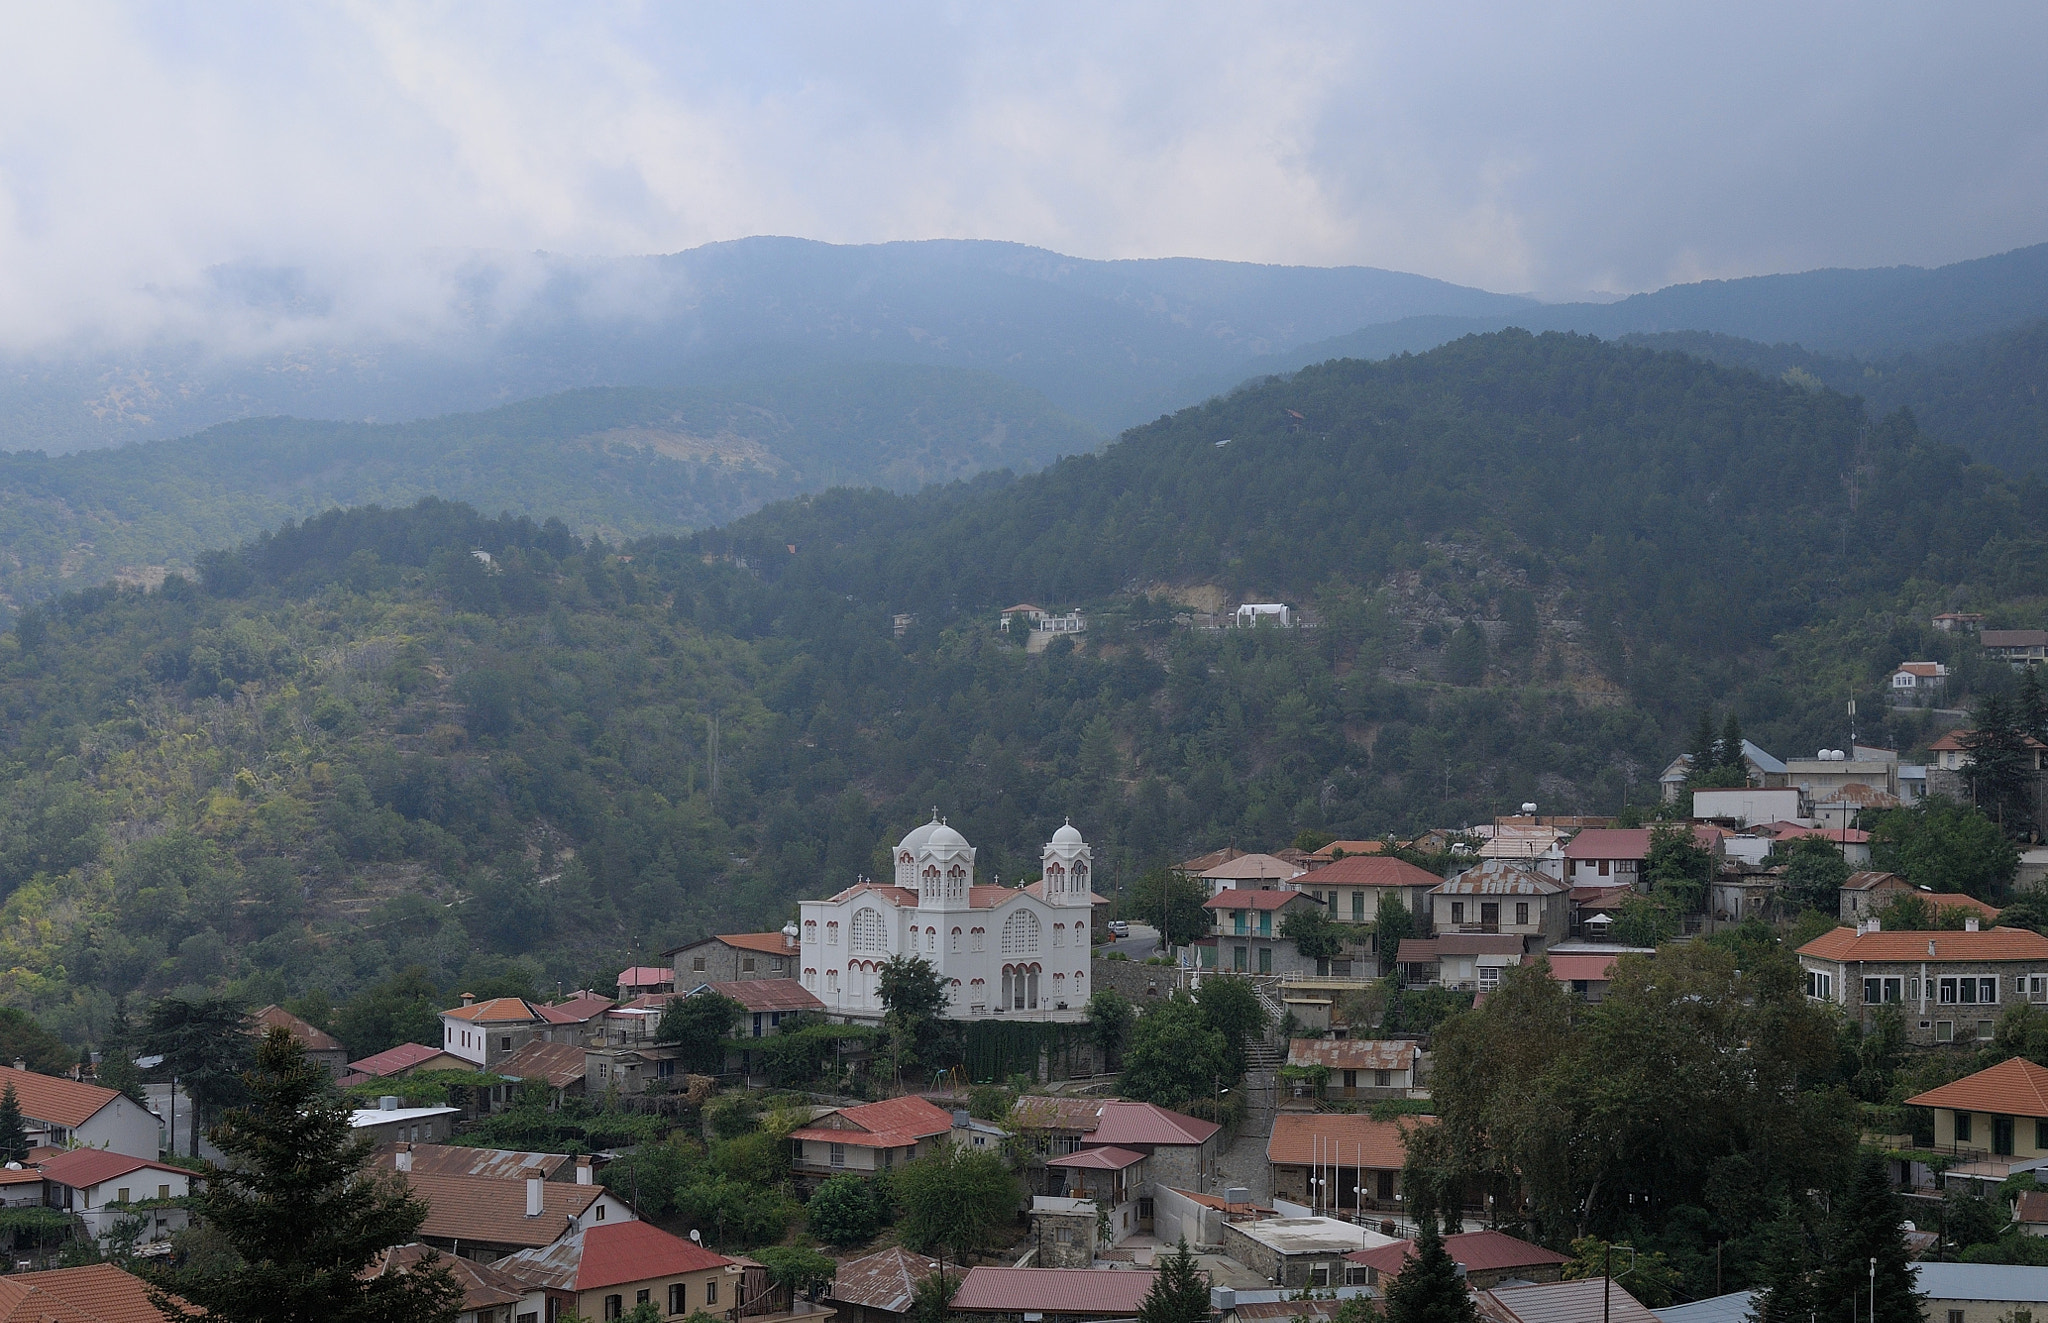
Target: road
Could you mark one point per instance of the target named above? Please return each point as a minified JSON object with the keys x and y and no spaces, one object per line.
{"x":1142,"y":943}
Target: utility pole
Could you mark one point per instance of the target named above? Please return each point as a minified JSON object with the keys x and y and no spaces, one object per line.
{"x":713,"y":759}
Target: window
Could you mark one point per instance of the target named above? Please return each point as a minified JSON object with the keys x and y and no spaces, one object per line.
{"x":1265,"y":960}
{"x":811,"y":979}
{"x":1955,"y":1316}
{"x":1358,"y":907}
{"x":1020,"y":934}
{"x":1944,"y":1030}
{"x":1457,"y":911}
{"x":615,"y":1306}
{"x":747,"y":964}
{"x":164,"y":1191}
{"x":711,"y":1291}
{"x":121,"y":1195}
{"x":832,"y":933}
{"x":977,"y":939}
{"x":811,"y":932}
{"x":2041,"y":1136}
{"x":1350,"y":1079}
{"x":697,"y":964}
{"x":1984,"y":1031}
{"x":1065,"y":1236}
{"x":1489,"y":977}
{"x":505,"y":1042}
{"x":1237,"y":922}
{"x":1962,"y":1127}
{"x":1382,"y":1078}
{"x":678,"y":1298}
{"x":1820,"y":985}
{"x":1877,"y":990}
{"x":1522,"y":911}
{"x":1603,"y":867}
{"x":1489,"y":913}
{"x":868,"y":932}
{"x":839,"y":1155}
{"x":832,"y":981}
{"x":1319,"y":1274}
{"x":1059,"y":934}
{"x":599,"y":1216}
{"x":956,"y":941}
{"x":642,"y":1296}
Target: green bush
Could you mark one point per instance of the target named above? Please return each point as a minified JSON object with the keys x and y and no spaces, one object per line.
{"x":842,"y":1212}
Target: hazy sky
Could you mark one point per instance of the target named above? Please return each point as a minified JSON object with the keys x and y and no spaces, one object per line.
{"x":1550,"y":147}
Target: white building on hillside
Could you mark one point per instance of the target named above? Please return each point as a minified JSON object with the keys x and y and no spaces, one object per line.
{"x":1016,"y":953}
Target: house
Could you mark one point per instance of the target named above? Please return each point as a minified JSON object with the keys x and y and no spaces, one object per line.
{"x":879,"y":1287}
{"x":1025,"y":612}
{"x":1250,"y":872}
{"x":1017,"y":953}
{"x":1538,"y":848}
{"x":605,"y":1271}
{"x":390,"y":1123}
{"x":1249,"y":934}
{"x":1553,"y":1302}
{"x":484,"y":1217}
{"x":320,"y":1045}
{"x":1853,"y":843}
{"x":1499,"y":896}
{"x":100,"y":1293}
{"x":633,"y":1071}
{"x":1107,"y":1181}
{"x":1601,"y":857}
{"x":1336,"y":850}
{"x":1343,"y":1163}
{"x":766,"y":1002}
{"x":638,"y":980}
{"x":872,"y":1137}
{"x":105,"y":1189}
{"x":1588,"y":967}
{"x":1918,"y":677}
{"x":1488,"y":1258}
{"x":1353,"y":888}
{"x":66,"y":1113}
{"x":1764,"y":770}
{"x":1253,"y":615}
{"x":2001,"y":1111}
{"x":405,"y":1059}
{"x":1979,"y":1292}
{"x":485,"y":1033}
{"x":1356,"y":1067}
{"x":1746,"y":806}
{"x":1297,"y":1253}
{"x":20,"y":1186}
{"x":1959,"y":622}
{"x":1462,"y":962}
{"x":1948,"y":774}
{"x":2018,"y":648}
{"x":1839,"y":807}
{"x":1202,"y":863}
{"x":559,"y":1066}
{"x":1594,"y":908}
{"x":1182,"y":1149}
{"x":1051,"y":1295}
{"x":497,"y":1163}
{"x":2030,"y":1212}
{"x":734,"y":956}
{"x":1865,"y":893}
{"x":489,"y":1295}
{"x":1951,"y":985}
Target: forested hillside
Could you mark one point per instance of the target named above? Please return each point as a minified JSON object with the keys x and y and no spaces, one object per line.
{"x":611,"y":463}
{"x":355,"y":747}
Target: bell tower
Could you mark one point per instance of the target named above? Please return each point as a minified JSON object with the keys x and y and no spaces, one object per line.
{"x":1068,"y":869}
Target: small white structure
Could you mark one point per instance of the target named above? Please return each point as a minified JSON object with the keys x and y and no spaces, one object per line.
{"x":1746,"y":806}
{"x":1251,"y":615}
{"x":389,"y":1123}
{"x":1919,"y":677}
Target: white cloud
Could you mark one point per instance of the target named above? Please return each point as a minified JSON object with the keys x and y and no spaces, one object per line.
{"x":1508,"y":146}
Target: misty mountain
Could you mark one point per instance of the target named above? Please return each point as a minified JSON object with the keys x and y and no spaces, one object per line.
{"x":617,"y":463}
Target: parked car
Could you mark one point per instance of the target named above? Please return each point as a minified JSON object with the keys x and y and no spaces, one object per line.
{"x":1118,"y":928}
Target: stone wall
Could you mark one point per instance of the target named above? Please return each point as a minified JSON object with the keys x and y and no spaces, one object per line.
{"x":1065,"y":1239}
{"x":1184,"y":1166}
{"x":1138,"y":981}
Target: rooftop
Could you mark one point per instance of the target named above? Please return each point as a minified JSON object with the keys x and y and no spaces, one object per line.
{"x":1253,"y":868}
{"x":774,"y":943}
{"x":483,"y":1286}
{"x":101,"y":1293}
{"x":54,"y":1099}
{"x":767,"y":994}
{"x":394,"y":1060}
{"x":1990,"y":944}
{"x":1115,"y":1294}
{"x":81,"y":1167}
{"x":1352,"y":1053}
{"x":1610,"y":843}
{"x":1364,"y":870}
{"x":1563,"y":1302}
{"x":886,"y":1280}
{"x":2014,"y":1087}
{"x":1300,"y":1139}
{"x":311,"y":1038}
{"x":461,"y":1160}
{"x":1244,"y":898}
{"x":363,"y":1116}
{"x":648,"y":976}
{"x":1108,"y":1158}
{"x":1312,"y":1235}
{"x":496,"y":1010}
{"x":1475,"y":1251}
{"x":611,"y":1254}
{"x":558,"y":1064}
{"x":2002,"y":1282}
{"x":480,"y":1210}
{"x":1498,"y":877}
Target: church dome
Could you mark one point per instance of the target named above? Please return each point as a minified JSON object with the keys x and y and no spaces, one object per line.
{"x":1068,"y":835}
{"x":938,"y":836}
{"x":918,"y":836}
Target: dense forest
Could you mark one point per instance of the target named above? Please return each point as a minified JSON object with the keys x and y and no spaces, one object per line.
{"x":478,"y":748}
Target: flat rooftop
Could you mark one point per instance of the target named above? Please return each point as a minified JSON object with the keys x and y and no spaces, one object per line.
{"x":1311,"y":1235}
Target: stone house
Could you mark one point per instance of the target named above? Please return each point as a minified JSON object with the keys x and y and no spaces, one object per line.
{"x":1051,"y":1295}
{"x":1355,"y":1068}
{"x":1500,"y":896}
{"x":1249,"y":933}
{"x":1296,"y":1253}
{"x":1182,"y":1150}
{"x":731,"y":957}
{"x":1950,"y":986}
{"x":1340,"y":1163}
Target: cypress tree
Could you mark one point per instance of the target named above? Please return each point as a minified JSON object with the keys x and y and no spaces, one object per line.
{"x":2033,"y":705}
{"x":1705,"y":750}
{"x":13,"y":1134}
{"x":304,"y":1214}
{"x":1429,"y":1289}
{"x":1867,"y":1227}
{"x":1180,"y":1294}
{"x":1731,"y":746}
{"x":1784,"y":1290}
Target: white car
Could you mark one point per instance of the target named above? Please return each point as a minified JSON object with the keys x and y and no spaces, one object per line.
{"x":1118,"y":928}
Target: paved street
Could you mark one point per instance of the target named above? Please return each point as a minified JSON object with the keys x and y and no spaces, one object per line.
{"x":1143,"y":941}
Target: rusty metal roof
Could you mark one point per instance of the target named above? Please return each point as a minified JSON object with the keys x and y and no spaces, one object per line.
{"x":886,"y":1280}
{"x":1352,"y":1053}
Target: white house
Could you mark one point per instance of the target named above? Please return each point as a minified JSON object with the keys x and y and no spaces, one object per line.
{"x":1017,"y":953}
{"x":1919,"y":677}
{"x":106,"y":1189}
{"x":67,"y":1113}
{"x":1251,"y":615}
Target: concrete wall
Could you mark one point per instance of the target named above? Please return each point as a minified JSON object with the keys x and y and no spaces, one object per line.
{"x":1175,"y":1216}
{"x":122,"y":1127}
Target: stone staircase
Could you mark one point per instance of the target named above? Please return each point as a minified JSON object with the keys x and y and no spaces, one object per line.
{"x":1264,"y":1056}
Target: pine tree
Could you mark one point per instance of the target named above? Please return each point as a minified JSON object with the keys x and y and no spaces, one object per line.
{"x":1704,"y":752}
{"x":13,"y":1134}
{"x":1429,"y":1289}
{"x":2001,"y":773}
{"x":1867,"y":1227}
{"x":1179,"y":1294}
{"x":2033,"y":705}
{"x":1731,"y":746}
{"x":304,"y":1213}
{"x":1784,"y":1289}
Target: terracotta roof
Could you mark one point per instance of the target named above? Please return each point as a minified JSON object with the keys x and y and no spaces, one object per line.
{"x":579,"y":1009}
{"x":1570,"y":968}
{"x":1422,"y":950}
{"x":1348,"y":1141}
{"x":20,"y":1175}
{"x":857,"y":1138}
{"x":101,"y":1293}
{"x":1956,"y":900}
{"x":1352,"y":1053}
{"x":559,"y":1064}
{"x":1370,"y":871}
{"x":479,"y":1210}
{"x":613,"y":1254}
{"x":2014,"y":1087}
{"x":1868,"y":880}
{"x":1991,"y":944}
{"x":1926,"y":670}
{"x":1213,"y":1201}
{"x":483,"y":1287}
{"x":1123,"y":1122}
{"x":55,"y":1100}
{"x":769,"y":994}
{"x":648,"y":976}
{"x":886,"y":1280}
{"x":2031,"y":1208}
{"x":1562,"y":1302}
{"x":1475,"y":1251}
{"x":1109,"y":1158}
{"x":497,"y":1010}
{"x":1329,"y":852}
{"x":397,"y":1060}
{"x":309,"y":1037}
{"x":89,"y":1166}
{"x":912,"y":1115}
{"x":461,"y":1160}
{"x":1204,"y":862}
{"x":1497,"y":877}
{"x":1243,"y":898}
{"x":1053,"y":1291}
{"x":765,"y":943}
{"x":1610,"y":843}
{"x":1257,"y":867}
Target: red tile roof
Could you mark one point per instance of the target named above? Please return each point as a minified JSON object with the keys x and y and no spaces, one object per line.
{"x":766,"y":943}
{"x":648,"y":976}
{"x":2015,"y":1087}
{"x":1991,"y":944}
{"x":579,"y":1009}
{"x":1956,"y":900}
{"x":1475,"y":1251}
{"x":404,"y":1057}
{"x":614,"y":1254}
{"x":101,"y":1293}
{"x":1203,"y":863}
{"x":311,"y":1038}
{"x":1243,"y":898}
{"x":1053,"y":1291}
{"x":1571,"y":968}
{"x":1610,"y":843}
{"x":476,"y":1210}
{"x":497,"y":1010}
{"x":1361,"y":870}
{"x":89,"y":1166}
{"x":1098,"y":1159}
{"x":54,"y":1099}
{"x":1347,"y":1141}
{"x":857,"y":1138}
{"x":769,"y":994}
{"x":1122,"y":1122}
{"x":1329,"y":852}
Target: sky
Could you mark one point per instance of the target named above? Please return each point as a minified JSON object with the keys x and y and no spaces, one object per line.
{"x":1554,"y":149}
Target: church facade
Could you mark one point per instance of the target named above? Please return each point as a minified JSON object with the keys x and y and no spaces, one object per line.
{"x":1008,"y":953}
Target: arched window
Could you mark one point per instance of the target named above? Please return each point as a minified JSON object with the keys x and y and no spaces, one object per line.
{"x":1080,"y":934}
{"x":1080,"y":875}
{"x":931,"y":881}
{"x":980,"y":936}
{"x":832,"y":982}
{"x":1055,"y":879}
{"x":811,"y":979}
{"x":1059,"y":934}
{"x":956,"y":942}
{"x":931,"y":941}
{"x":1020,"y":934}
{"x":868,"y":932}
{"x":810,"y":932}
{"x":832,"y":933}
{"x":956,"y":882}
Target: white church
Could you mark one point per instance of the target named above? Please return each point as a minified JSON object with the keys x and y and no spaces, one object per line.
{"x":1016,"y":953}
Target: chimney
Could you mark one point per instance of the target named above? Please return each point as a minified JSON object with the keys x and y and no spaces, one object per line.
{"x":583,"y":1169}
{"x":388,"y":1103}
{"x":1970,"y":925}
{"x":960,"y":1118}
{"x":533,"y":1194}
{"x":403,"y":1160}
{"x":469,"y":999}
{"x":21,"y":1063}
